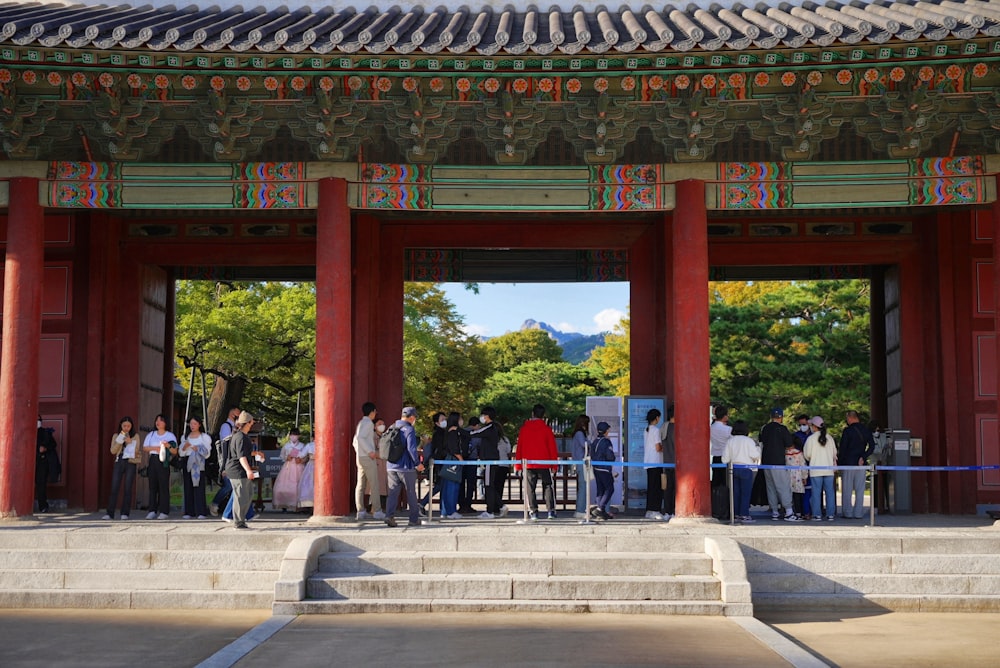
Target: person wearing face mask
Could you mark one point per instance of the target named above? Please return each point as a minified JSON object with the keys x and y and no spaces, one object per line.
{"x":127,"y":453}
{"x":491,"y":436}
{"x":366,"y":451}
{"x":799,"y":437}
{"x":47,"y":466}
{"x":435,"y":450}
{"x":383,"y":475}
{"x":286,"y":486}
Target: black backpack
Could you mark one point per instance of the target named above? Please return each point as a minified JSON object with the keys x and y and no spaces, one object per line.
{"x":222,"y":451}
{"x":392,"y":445}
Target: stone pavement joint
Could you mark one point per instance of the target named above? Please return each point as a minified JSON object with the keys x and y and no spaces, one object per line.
{"x":798,"y":656}
{"x":230,"y":654}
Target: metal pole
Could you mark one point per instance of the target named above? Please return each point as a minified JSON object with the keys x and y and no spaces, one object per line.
{"x":430,"y":492}
{"x":204,"y":397}
{"x":729,"y":477}
{"x":587,"y":464}
{"x":871,"y":494}
{"x":187,"y":406}
{"x":524,"y":487}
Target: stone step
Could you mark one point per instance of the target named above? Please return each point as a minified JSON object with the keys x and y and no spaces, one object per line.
{"x":147,"y":536}
{"x":146,"y":600}
{"x":356,"y":606}
{"x":855,"y":602}
{"x":608,"y":564}
{"x":943,"y":564}
{"x":128,"y":560}
{"x":528,"y":587}
{"x":889,"y":584}
{"x":873,"y":544}
{"x":135,"y":580}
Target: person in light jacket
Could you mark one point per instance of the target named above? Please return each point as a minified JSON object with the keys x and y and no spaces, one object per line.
{"x":127,"y":452}
{"x":743,"y":450}
{"x":821,"y":450}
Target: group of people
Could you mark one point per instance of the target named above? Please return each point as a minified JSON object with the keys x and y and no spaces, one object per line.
{"x":163,"y":452}
{"x":805,"y":490}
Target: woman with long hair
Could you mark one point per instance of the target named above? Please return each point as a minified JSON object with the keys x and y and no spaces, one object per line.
{"x":653,"y":454}
{"x":160,"y":445}
{"x":285,"y":495}
{"x":821,"y":450}
{"x":453,"y":450}
{"x":581,"y":428}
{"x":194,"y":451}
{"x":127,"y":453}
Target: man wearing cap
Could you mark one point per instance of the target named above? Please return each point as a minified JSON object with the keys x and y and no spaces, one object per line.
{"x":774,"y":438}
{"x":404,"y":472}
{"x":603,"y":451}
{"x":856,"y":446}
{"x":238,"y":468}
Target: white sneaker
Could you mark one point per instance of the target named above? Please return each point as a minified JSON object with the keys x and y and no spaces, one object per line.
{"x":151,"y":515}
{"x":379,"y":515}
{"x":667,"y":517}
{"x":107,"y":517}
{"x":455,"y":516}
{"x":227,"y":519}
{"x":124,"y":517}
{"x":201,"y":517}
{"x":214,"y":509}
{"x":362,"y":515}
{"x":503,"y":511}
{"x":162,"y":516}
{"x":485,"y":515}
{"x":653,"y":515}
{"x":185,"y":517}
{"x":580,"y":516}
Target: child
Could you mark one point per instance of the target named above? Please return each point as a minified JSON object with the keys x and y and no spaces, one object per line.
{"x":793,"y":457}
{"x":601,"y":450}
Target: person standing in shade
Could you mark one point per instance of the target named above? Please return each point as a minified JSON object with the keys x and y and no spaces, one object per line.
{"x":536,"y":441}
{"x":652,"y":456}
{"x":238,"y":469}
{"x":491,"y":442}
{"x":741,"y":449}
{"x":578,"y":452}
{"x":774,"y":440}
{"x":856,"y":446}
{"x":194,"y":451}
{"x":470,"y":452}
{"x":127,"y":453}
{"x":821,"y":451}
{"x":669,"y":476}
{"x":47,"y":466}
{"x":366,"y":451}
{"x":602,"y":453}
{"x":403,"y":473}
{"x":799,"y":436}
{"x":160,"y":445}
{"x":719,"y":434}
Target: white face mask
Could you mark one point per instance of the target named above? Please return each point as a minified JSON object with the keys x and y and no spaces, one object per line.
{"x":293,"y":438}
{"x":803,"y":427}
{"x":484,"y":419}
{"x":380,"y":428}
{"x":39,"y":424}
{"x":443,"y":424}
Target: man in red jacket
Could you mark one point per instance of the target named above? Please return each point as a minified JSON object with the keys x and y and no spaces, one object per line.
{"x":536,"y":441}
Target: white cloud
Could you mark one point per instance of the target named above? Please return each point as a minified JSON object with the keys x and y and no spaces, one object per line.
{"x":476,"y":330}
{"x":565,"y":327}
{"x":607,"y":319}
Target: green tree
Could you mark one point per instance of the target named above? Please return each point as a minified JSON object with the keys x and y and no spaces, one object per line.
{"x":508,"y":350}
{"x":561,"y":387}
{"x":613,"y":358}
{"x":256,"y":339}
{"x":443,"y":366}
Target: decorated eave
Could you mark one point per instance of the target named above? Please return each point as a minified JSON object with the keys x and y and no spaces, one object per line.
{"x":492,"y":31}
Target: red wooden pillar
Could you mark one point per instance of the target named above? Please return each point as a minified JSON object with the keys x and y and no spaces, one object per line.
{"x":995,"y":232}
{"x":644,"y":374}
{"x":22,"y":330}
{"x":333,"y":349}
{"x":691,"y":350}
{"x":389,"y":331}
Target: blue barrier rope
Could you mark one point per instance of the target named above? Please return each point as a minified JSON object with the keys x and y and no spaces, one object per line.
{"x":647,"y":465}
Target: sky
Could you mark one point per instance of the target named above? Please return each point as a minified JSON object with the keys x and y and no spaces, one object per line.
{"x":587,"y":308}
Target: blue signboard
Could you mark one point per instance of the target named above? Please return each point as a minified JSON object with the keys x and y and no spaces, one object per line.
{"x":635,"y":431}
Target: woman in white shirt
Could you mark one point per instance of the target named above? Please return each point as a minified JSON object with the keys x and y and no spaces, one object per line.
{"x":741,"y":449}
{"x":194,"y":451}
{"x":653,"y":454}
{"x":127,"y":453}
{"x":821,"y":450}
{"x":160,"y":445}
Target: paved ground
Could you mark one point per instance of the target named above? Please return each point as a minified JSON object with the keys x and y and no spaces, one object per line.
{"x":174,"y":638}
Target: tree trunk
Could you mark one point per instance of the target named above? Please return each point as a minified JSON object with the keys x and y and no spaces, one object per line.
{"x":226,"y":393}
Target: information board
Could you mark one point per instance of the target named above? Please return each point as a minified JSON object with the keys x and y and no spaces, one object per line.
{"x":636,"y":408}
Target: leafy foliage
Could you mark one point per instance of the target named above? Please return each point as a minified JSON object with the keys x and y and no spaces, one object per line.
{"x":524,"y":345}
{"x":613,"y":358}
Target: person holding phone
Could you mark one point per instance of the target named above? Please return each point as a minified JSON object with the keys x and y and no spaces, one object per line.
{"x":127,"y":453}
{"x":160,"y":445}
{"x":239,"y":470}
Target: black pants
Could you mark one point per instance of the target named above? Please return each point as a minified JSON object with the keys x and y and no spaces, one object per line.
{"x":548,"y":493}
{"x":42,"y":484}
{"x":670,"y":493}
{"x":194,"y":497}
{"x":467,"y":490}
{"x":122,"y":475}
{"x":159,"y":486}
{"x":496,"y":478}
{"x":654,"y":490}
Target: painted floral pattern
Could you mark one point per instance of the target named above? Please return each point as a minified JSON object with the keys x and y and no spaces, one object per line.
{"x":134,"y":81}
{"x":845,"y":77}
{"x":463,"y":85}
{"x":655,"y":82}
{"x":737,"y":80}
{"x":546,"y":85}
{"x":628,"y":83}
{"x":897,"y":74}
{"x":788,"y":79}
{"x":520,"y":86}
{"x":491,"y":85}
{"x":708,"y":81}
{"x":410,"y":84}
{"x":217,"y":82}
{"x":980,"y":70}
{"x":106,"y":79}
{"x":925,"y":73}
{"x":243,"y":83}
{"x":762,"y":79}
{"x":29,"y":77}
{"x":55,"y":79}
{"x":871,"y":75}
{"x":601,"y":84}
{"x":682,"y":81}
{"x":574,"y":85}
{"x":814,"y":78}
{"x":188,"y":82}
{"x":161,"y":81}
{"x":437,"y":84}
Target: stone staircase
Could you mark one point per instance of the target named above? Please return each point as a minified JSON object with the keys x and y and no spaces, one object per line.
{"x":931,"y":573}
{"x":140,"y":566}
{"x":522,"y":568}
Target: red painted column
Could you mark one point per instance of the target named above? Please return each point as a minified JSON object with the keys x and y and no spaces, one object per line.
{"x":995,"y":232}
{"x":22,"y":330}
{"x":389,"y":327}
{"x":643,"y":371}
{"x":691,"y":349}
{"x":333,"y":350}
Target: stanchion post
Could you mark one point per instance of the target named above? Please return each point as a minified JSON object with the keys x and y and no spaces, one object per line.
{"x":586,"y":486}
{"x":430,"y":492}
{"x":871,"y":493}
{"x":524,"y":487}
{"x":729,"y":479}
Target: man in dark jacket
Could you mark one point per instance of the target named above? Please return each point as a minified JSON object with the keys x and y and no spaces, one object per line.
{"x":774,"y":438}
{"x":404,"y":472}
{"x":856,"y":445}
{"x":47,"y":466}
{"x":239,"y":469}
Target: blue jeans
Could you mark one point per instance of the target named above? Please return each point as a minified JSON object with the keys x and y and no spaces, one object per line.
{"x":228,"y":512}
{"x":449,"y":497}
{"x":225,"y":489}
{"x":742,"y":486}
{"x":581,"y":489}
{"x":821,"y":484}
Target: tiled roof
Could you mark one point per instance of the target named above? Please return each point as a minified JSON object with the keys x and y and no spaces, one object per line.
{"x":488,"y":31}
